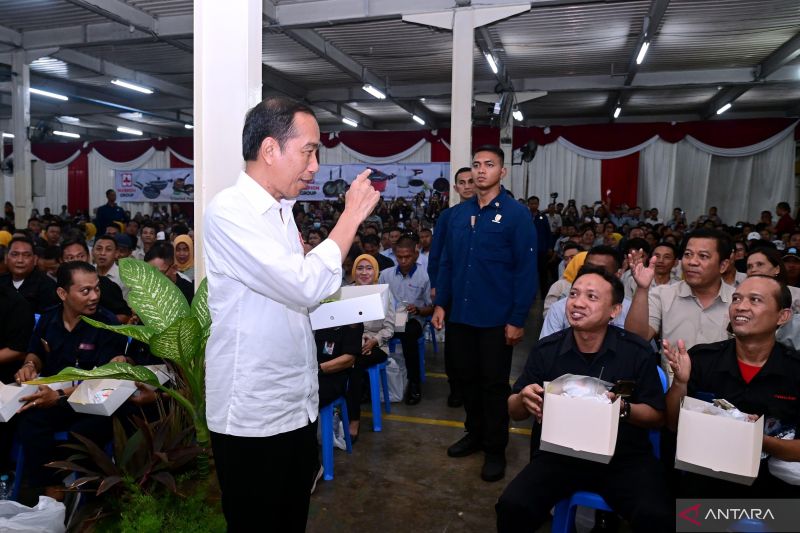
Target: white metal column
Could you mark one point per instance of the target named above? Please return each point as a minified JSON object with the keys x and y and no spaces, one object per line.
{"x":227,"y":82}
{"x":20,"y":121}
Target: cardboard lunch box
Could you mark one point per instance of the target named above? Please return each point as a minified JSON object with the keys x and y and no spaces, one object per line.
{"x":354,"y":304}
{"x":578,"y":427}
{"x":9,"y":399}
{"x":114,"y":392}
{"x":718,"y":446}
{"x":162,"y":372}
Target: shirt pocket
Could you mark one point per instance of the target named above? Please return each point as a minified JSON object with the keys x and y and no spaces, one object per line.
{"x":493,"y":244}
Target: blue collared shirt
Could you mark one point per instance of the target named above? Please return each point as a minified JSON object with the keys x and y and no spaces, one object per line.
{"x":415,"y":288}
{"x":487,"y":272}
{"x":437,"y":245}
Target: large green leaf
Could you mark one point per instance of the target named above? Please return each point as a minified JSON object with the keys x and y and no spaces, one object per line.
{"x":180,"y":342}
{"x":108,"y":371}
{"x":140,"y":333}
{"x":153,"y":296}
{"x":200,"y":305}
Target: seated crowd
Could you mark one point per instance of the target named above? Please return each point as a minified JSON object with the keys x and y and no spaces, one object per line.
{"x":624,"y":291}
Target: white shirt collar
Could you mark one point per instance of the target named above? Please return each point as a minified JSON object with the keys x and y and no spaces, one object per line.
{"x":258,"y":196}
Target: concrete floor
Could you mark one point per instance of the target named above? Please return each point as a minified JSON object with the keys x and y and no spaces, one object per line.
{"x":401,"y":480}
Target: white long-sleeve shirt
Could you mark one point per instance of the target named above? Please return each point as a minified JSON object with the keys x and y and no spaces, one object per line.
{"x":261,"y":365}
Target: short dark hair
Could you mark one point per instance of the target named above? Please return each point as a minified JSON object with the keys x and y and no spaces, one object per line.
{"x":180,"y":229}
{"x":774,"y":257}
{"x":51,"y":224}
{"x":570,"y":245}
{"x":784,"y":205}
{"x":667,"y":244}
{"x":636,"y":244}
{"x":533,"y":198}
{"x":783,"y":297}
{"x":602,"y":249}
{"x":73,"y":242}
{"x":460,"y":170}
{"x":272,"y":117}
{"x":724,"y":244}
{"x":64,"y":273}
{"x":110,"y":191}
{"x":316,"y":232}
{"x":25,"y":240}
{"x":406,"y":242}
{"x":426,"y":230}
{"x":161,"y":250}
{"x":617,"y":289}
{"x":493,"y":148}
{"x":150,"y":224}
{"x":370,"y":239}
{"x":108,"y":238}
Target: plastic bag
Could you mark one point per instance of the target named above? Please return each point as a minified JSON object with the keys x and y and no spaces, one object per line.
{"x":788,"y":471}
{"x":46,"y":517}
{"x":581,"y":387}
{"x":734,"y":413}
{"x":396,"y":376}
{"x":338,"y":431}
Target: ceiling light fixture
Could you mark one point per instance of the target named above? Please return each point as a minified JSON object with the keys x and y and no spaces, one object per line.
{"x":350,"y":122}
{"x":518,"y":115}
{"x":642,"y":52}
{"x":67,"y":118}
{"x":48,"y":94}
{"x":67,"y":134}
{"x":492,"y":62}
{"x":724,"y":108}
{"x":189,"y":126}
{"x":418,"y":120}
{"x":617,"y":111}
{"x":123,"y":129}
{"x":8,"y":135}
{"x":373,"y":91}
{"x":132,"y":86}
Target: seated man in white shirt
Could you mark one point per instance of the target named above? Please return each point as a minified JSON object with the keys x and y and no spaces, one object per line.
{"x":603,"y":257}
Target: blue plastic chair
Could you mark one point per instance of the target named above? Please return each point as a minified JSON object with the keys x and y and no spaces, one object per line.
{"x":61,"y":436}
{"x":326,"y":429}
{"x":394,"y":341}
{"x":378,"y":379}
{"x":564,"y":513}
{"x":429,"y":325}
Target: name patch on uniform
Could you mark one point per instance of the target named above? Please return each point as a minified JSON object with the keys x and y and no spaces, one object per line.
{"x":85,"y":346}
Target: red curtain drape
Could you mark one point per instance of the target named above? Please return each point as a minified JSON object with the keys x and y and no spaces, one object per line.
{"x":621,"y":177}
{"x":78,"y":184}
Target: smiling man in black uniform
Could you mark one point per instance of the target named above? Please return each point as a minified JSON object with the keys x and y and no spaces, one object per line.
{"x":633,"y":482}
{"x":752,"y":371}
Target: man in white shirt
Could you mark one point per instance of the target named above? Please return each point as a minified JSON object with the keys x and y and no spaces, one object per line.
{"x":261,"y":366}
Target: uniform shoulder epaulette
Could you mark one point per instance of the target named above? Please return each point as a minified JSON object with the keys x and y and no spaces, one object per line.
{"x":552,"y":338}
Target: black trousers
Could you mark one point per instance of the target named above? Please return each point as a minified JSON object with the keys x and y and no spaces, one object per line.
{"x":633,"y":485}
{"x":37,"y":428}
{"x":483,"y":364}
{"x":359,"y":379}
{"x":266,"y":481}
{"x":544,"y":274}
{"x":331,"y":386}
{"x":409,"y":340}
{"x":449,"y":356}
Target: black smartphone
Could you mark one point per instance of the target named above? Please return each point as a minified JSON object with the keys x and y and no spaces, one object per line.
{"x":624,"y":387}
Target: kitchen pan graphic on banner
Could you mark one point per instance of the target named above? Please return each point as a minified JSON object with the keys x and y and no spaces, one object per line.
{"x":155,"y":185}
{"x":404,"y":180}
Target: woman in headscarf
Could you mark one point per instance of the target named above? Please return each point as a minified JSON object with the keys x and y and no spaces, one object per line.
{"x":373,"y":349}
{"x":560,"y":289}
{"x":184,"y":256}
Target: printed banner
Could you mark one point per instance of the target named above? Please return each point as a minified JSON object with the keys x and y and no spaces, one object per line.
{"x":392,"y":181}
{"x":155,"y":185}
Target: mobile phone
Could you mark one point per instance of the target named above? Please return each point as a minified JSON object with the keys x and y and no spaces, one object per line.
{"x":624,"y":387}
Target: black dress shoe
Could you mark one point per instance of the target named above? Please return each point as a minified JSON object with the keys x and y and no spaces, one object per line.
{"x":494,"y":467}
{"x":413,"y":394}
{"x":455,"y":400}
{"x":468,"y":445}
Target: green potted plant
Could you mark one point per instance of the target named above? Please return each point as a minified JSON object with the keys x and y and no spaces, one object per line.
{"x":174,"y":330}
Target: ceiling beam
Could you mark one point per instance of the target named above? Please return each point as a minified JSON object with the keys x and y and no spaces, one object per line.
{"x":9,"y":36}
{"x":487,"y":46}
{"x":328,"y":51}
{"x":650,"y":25}
{"x":785,"y":54}
{"x":119,"y":12}
{"x":106,"y":68}
{"x":147,"y":128}
{"x":173,"y":27}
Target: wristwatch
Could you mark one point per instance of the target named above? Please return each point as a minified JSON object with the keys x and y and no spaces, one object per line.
{"x":624,"y":408}
{"x":61,"y":394}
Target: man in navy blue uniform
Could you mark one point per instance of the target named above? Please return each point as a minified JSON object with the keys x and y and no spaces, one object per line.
{"x":487,"y":275}
{"x":544,"y":238}
{"x":62,"y":339}
{"x":109,"y":213}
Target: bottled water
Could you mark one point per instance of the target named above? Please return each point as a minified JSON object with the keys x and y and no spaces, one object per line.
{"x":5,"y":488}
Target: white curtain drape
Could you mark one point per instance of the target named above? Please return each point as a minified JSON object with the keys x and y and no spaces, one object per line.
{"x":556,"y":168}
{"x":55,"y":183}
{"x":594,"y":154}
{"x":683,"y":175}
{"x":341,"y":154}
{"x":101,"y":177}
{"x":753,"y":149}
{"x":179,"y":157}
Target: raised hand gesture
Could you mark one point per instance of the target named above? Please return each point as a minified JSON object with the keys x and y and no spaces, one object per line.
{"x":642,"y":273}
{"x":679,"y":361}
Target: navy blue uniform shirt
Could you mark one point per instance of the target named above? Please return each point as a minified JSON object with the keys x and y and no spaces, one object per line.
{"x":437,"y":245}
{"x":543,"y":234}
{"x":487,"y":271}
{"x":84,"y":347}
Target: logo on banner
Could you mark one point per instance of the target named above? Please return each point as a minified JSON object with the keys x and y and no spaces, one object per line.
{"x":127,"y":179}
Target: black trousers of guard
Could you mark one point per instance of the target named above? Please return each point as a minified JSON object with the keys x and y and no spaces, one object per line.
{"x":483,"y":365}
{"x":633,"y":485}
{"x":266,"y":481}
{"x":409,"y":340}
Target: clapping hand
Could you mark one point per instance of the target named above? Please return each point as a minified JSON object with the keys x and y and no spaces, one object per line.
{"x":642,"y":274}
{"x":679,"y":361}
